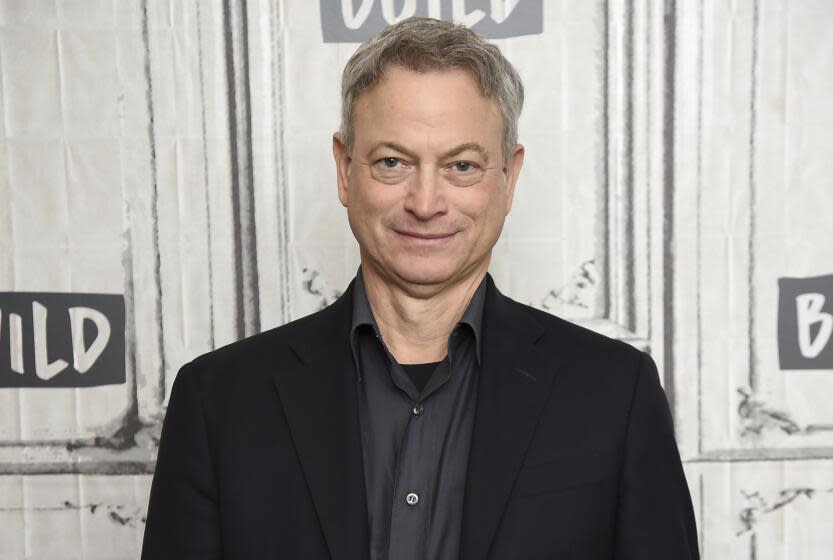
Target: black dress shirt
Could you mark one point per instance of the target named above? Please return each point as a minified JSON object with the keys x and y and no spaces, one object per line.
{"x":416,"y":424}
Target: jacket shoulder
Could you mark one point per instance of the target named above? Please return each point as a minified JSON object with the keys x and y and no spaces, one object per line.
{"x":262,"y":351}
{"x":597,"y":374}
{"x":592,"y":355}
{"x":586,"y":338}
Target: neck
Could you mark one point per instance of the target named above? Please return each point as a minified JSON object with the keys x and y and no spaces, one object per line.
{"x":416,"y":320}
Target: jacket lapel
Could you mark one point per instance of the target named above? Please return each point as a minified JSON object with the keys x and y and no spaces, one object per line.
{"x":319,"y":397}
{"x":515,"y":383}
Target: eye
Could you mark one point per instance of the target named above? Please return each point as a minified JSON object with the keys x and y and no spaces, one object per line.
{"x":390,"y":162}
{"x":464,"y":173}
{"x":391,"y":169}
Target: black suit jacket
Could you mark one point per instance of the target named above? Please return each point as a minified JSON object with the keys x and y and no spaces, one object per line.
{"x":572,"y":456}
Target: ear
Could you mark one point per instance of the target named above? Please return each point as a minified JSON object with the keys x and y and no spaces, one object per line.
{"x":343,"y":162}
{"x":511,"y":172}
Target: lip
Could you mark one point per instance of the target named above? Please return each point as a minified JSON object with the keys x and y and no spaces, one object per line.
{"x":426,"y":237}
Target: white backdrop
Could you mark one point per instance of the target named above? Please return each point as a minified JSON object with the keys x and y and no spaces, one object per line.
{"x":177,"y":153}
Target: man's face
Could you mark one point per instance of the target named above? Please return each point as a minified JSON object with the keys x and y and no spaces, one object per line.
{"x":426,"y":190}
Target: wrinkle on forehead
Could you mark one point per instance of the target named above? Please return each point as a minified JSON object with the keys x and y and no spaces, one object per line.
{"x":433,"y":111}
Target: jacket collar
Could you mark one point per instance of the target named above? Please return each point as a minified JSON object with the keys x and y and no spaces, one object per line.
{"x":321,"y":404}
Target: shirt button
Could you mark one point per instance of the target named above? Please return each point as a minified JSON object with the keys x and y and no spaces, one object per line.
{"x":412,"y":499}
{"x":418,"y":408}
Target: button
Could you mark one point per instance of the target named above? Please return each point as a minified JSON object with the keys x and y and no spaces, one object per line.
{"x":418,"y":408}
{"x":412,"y":499}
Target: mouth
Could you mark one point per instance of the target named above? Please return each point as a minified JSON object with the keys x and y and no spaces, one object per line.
{"x":425,"y":235}
{"x":425,"y":238}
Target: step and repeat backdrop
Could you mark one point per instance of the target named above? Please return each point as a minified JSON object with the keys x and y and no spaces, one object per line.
{"x":167,"y":187}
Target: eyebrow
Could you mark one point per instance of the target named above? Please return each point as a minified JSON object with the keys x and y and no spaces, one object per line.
{"x":455,"y":151}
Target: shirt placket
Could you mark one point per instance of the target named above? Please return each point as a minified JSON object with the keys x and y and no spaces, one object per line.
{"x":413,"y":492}
{"x":419,"y":451}
{"x":411,"y":498}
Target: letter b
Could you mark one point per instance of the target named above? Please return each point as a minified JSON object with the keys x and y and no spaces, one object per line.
{"x":808,"y":309}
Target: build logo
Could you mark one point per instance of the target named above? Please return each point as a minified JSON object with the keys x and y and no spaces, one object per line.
{"x":61,"y":340}
{"x":352,"y":21}
{"x":805,"y":322}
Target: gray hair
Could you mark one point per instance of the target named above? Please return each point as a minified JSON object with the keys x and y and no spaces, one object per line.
{"x":424,"y":44}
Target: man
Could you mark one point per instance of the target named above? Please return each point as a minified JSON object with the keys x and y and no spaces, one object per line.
{"x":423,"y":415}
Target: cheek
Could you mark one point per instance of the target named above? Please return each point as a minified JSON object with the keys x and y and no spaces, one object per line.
{"x":485,"y":208}
{"x":370,"y":205}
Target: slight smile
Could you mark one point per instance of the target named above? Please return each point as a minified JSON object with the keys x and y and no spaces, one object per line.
{"x":426,"y":238}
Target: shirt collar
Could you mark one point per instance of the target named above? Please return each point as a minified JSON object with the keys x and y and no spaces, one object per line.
{"x":363,"y":315}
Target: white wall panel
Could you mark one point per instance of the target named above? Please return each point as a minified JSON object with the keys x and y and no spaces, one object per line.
{"x":763,"y":509}
{"x":64,"y":207}
{"x":69,"y":517}
{"x":756,"y":193}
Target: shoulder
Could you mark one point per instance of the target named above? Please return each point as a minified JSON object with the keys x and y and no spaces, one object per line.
{"x":580,"y":341}
{"x":586,"y":355}
{"x":597,"y":376}
{"x":255,"y":357}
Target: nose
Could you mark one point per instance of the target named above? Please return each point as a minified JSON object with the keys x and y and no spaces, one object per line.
{"x":425,"y":197}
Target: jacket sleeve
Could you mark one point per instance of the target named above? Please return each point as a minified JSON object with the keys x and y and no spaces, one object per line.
{"x":183,"y":511}
{"x":655,"y":518}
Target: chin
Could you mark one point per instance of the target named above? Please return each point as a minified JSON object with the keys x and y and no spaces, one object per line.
{"x":423,"y":271}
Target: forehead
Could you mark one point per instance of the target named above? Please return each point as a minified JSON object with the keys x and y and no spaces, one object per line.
{"x":434,"y":108}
